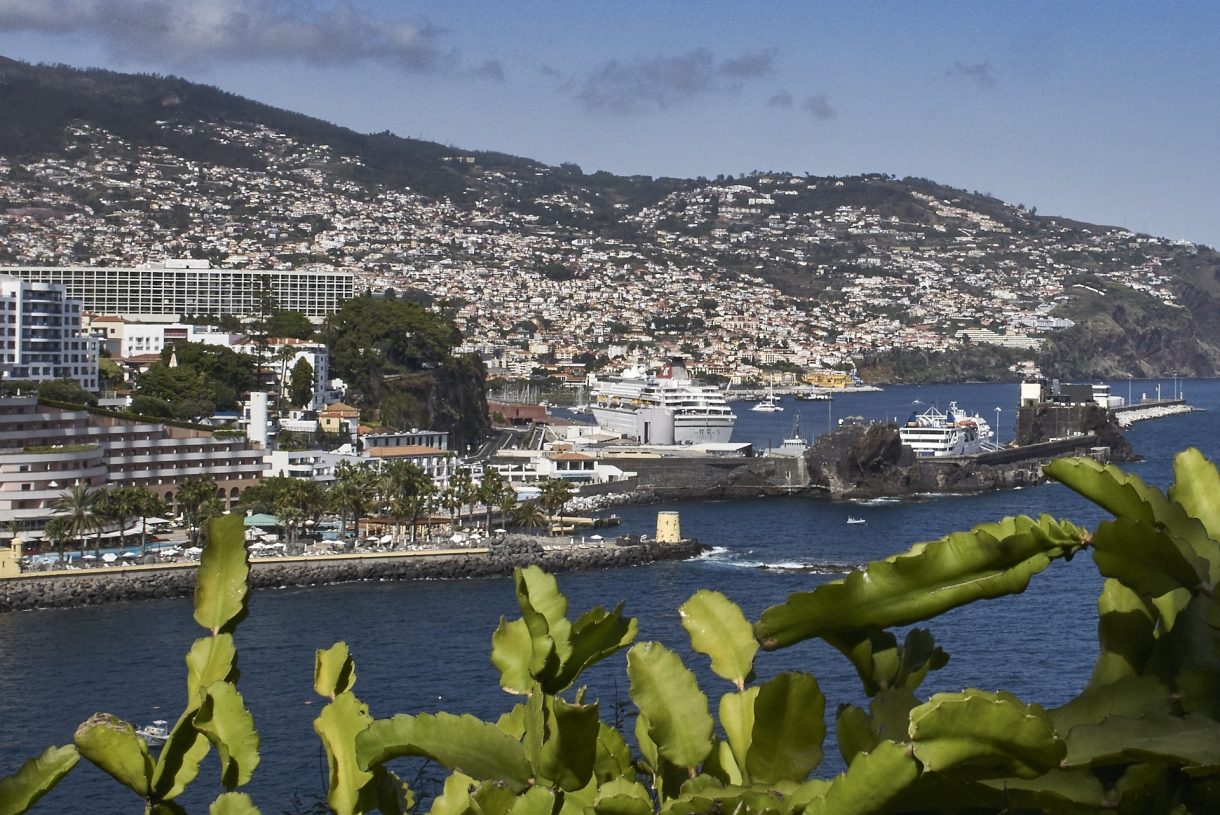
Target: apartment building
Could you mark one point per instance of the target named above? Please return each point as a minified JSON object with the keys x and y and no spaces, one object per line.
{"x":41,"y":337}
{"x":44,"y":450}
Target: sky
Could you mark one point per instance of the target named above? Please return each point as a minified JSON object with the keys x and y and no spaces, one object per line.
{"x":1106,"y":112}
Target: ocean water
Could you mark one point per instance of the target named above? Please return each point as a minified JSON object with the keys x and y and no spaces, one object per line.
{"x":423,"y":647}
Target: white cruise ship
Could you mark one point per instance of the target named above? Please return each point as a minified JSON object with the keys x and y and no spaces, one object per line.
{"x":668,"y":408}
{"x":935,"y":434}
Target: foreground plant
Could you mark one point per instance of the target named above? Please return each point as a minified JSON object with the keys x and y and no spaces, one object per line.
{"x":214,"y":715}
{"x":1144,"y":735}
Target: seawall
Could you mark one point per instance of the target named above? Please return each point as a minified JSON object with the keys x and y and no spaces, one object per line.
{"x":96,"y":586}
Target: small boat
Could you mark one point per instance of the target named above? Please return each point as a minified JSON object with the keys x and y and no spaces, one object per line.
{"x":768,"y":404}
{"x":852,"y":519}
{"x":155,"y":734}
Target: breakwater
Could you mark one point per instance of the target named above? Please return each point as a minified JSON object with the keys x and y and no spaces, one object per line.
{"x":95,"y":586}
{"x":1129,"y":415}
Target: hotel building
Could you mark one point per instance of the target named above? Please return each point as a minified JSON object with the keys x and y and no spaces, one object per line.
{"x":165,"y":291}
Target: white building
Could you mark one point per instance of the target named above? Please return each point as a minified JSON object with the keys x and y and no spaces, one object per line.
{"x":41,"y":337}
{"x":170,"y":289}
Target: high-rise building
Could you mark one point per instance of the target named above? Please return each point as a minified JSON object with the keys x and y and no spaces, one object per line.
{"x":172,"y":288}
{"x":41,"y":337}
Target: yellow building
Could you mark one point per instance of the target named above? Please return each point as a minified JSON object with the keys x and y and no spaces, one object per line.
{"x":828,"y":379}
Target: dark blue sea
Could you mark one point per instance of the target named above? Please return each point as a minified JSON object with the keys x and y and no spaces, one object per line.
{"x":423,"y":647}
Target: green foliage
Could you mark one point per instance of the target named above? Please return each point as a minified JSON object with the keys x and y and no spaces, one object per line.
{"x":65,"y":390}
{"x":300,"y":384}
{"x":288,"y":324}
{"x":1143,"y":736}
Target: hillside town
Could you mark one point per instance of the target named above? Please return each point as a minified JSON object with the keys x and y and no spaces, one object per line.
{"x":746,"y":277}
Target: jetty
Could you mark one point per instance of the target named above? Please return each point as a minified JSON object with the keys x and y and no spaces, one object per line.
{"x":1158,"y":409}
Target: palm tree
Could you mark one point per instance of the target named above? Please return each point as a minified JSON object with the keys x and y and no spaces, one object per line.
{"x":491,"y":488}
{"x":300,"y":501}
{"x":462,"y":491}
{"x":404,"y":487}
{"x":507,"y":505}
{"x":118,"y":505}
{"x":199,"y":501}
{"x":531,"y":515}
{"x":77,"y":505}
{"x":147,"y":504}
{"x":353,"y":491}
{"x":283,"y":355}
{"x":58,"y":533}
{"x":555,"y":493}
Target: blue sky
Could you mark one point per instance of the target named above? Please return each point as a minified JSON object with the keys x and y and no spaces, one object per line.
{"x":1103,"y":111}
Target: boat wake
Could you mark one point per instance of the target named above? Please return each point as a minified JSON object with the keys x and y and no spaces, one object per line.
{"x":721,"y":557}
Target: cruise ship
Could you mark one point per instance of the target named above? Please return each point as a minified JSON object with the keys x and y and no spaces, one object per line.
{"x":666,"y":408}
{"x":935,"y":434}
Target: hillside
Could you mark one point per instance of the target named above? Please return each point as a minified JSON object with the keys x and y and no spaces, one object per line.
{"x":537,"y":263}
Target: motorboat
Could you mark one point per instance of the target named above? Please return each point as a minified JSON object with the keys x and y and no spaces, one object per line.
{"x":852,"y":519}
{"x":155,"y":734}
{"x":769,"y":404}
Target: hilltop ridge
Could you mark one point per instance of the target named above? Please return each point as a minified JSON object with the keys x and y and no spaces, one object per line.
{"x":908,"y":279}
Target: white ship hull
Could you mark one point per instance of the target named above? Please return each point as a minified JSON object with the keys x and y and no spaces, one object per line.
{"x":668,"y":408}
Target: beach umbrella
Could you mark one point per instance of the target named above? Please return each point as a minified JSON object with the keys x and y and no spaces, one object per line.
{"x":88,"y":557}
{"x":596,"y":538}
{"x":110,"y":557}
{"x":129,"y":554}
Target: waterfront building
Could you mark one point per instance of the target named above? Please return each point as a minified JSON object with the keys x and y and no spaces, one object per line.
{"x":44,"y":450}
{"x":41,"y":337}
{"x":167,"y":290}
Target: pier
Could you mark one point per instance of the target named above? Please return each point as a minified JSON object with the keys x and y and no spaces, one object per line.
{"x":1158,"y":409}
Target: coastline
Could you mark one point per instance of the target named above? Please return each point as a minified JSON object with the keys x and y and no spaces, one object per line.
{"x":33,"y":591}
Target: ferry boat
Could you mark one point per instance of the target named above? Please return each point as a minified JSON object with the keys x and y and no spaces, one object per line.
{"x":666,"y":408}
{"x":933,"y":434}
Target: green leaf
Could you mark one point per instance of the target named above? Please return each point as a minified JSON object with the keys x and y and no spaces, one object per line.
{"x":211,"y":659}
{"x":224,"y":570}
{"x":854,"y":731}
{"x":544,"y":609}
{"x":492,"y":799}
{"x":737,"y":720}
{"x":993,"y":560}
{"x":461,"y":743}
{"x":1053,"y":791}
{"x":1126,"y":632}
{"x":613,"y":759}
{"x":890,"y":713}
{"x":1128,"y":696}
{"x":1126,"y":496}
{"x":386,"y":793}
{"x":1193,"y":741}
{"x":788,"y":729}
{"x":1145,"y":558}
{"x":223,"y":718}
{"x":334,"y":671}
{"x":984,"y":735}
{"x":872,"y":783}
{"x":1195,"y":487}
{"x":723,"y":766}
{"x":455,"y":796}
{"x":35,"y":778}
{"x":337,"y":725}
{"x":594,"y":636}
{"x":179,"y":758}
{"x":112,"y":745}
{"x":718,"y":629}
{"x":623,"y":797}
{"x":668,"y":694}
{"x":535,"y":801}
{"x":512,"y":652}
{"x":570,"y":750}
{"x":233,"y":803}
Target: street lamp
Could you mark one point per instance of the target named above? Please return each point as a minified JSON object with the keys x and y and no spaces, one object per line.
{"x":995,"y":434}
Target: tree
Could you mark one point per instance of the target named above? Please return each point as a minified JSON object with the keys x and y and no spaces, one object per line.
{"x":292,"y":324}
{"x":371,"y":338}
{"x":404,"y":488}
{"x":78,"y":505}
{"x":300,"y":501}
{"x":117,"y":506}
{"x":531,"y":515}
{"x":353,"y":492}
{"x":283,"y":355}
{"x":462,"y":490}
{"x":555,"y":493}
{"x":198,"y":500}
{"x":492,"y":487}
{"x":65,"y":390}
{"x":58,"y":531}
{"x":300,"y":388}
